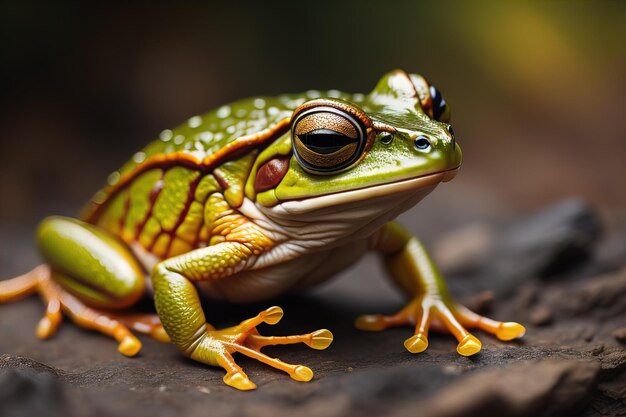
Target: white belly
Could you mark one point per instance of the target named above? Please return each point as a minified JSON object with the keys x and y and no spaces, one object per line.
{"x":293,"y":275}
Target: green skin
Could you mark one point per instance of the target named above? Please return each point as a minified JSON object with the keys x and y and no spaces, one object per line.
{"x":164,"y":189}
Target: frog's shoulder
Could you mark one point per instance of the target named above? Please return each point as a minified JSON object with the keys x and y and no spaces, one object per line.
{"x":206,"y":142}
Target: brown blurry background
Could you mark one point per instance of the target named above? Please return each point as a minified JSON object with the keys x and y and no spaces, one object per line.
{"x":537,"y":88}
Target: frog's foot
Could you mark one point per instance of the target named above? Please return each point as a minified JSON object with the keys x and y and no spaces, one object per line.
{"x":217,"y":346}
{"x":427,"y":310}
{"x":59,"y":301}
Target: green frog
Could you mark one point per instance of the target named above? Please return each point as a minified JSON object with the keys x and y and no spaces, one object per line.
{"x":254,"y":199}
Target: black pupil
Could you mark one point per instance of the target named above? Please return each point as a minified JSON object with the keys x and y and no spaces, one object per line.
{"x":439,"y":103}
{"x":325,"y":141}
{"x":422,"y":143}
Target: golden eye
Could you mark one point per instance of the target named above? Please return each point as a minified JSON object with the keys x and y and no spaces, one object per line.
{"x":326,"y":139}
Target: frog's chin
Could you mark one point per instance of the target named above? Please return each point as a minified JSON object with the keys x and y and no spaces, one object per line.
{"x":367,"y":195}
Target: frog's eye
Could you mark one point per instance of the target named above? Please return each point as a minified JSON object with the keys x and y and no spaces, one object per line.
{"x":327,"y":140}
{"x":441,"y":110}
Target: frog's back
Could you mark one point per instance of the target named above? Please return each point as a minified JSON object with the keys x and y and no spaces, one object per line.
{"x":166,"y":197}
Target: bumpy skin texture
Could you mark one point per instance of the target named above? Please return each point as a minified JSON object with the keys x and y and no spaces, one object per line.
{"x":247,"y":203}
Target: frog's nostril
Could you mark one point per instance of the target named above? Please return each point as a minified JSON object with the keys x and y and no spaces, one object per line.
{"x":422,"y":143}
{"x":386,"y":139}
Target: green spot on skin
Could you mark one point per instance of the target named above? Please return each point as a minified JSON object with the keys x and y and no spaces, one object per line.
{"x":111,"y":219}
{"x":216,"y":205}
{"x":207,"y":185}
{"x":150,"y":230}
{"x":189,"y":228}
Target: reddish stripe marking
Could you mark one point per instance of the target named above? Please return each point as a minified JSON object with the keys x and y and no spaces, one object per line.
{"x":124,"y":217}
{"x":156,"y":237}
{"x":230,"y":151}
{"x":220,"y":180}
{"x":181,"y":218}
{"x":154,"y":194}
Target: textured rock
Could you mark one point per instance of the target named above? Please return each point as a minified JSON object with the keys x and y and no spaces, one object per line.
{"x":620,"y":334}
{"x":21,"y":363}
{"x":24,"y":393}
{"x":604,"y":296}
{"x":30,"y":388}
{"x":528,"y":388}
{"x":554,"y":239}
{"x":543,"y":245}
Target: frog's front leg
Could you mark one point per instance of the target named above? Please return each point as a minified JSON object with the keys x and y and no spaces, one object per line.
{"x":179,"y":308}
{"x":413,"y":269}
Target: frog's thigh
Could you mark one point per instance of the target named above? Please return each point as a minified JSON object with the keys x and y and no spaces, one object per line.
{"x":90,"y":263}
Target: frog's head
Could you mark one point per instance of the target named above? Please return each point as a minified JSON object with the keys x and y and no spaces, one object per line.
{"x":395,"y":140}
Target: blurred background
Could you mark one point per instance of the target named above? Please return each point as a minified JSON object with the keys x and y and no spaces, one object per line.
{"x":537,"y":89}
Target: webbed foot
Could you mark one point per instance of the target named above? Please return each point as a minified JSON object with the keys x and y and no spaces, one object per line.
{"x":217,"y":346}
{"x":429,"y":310}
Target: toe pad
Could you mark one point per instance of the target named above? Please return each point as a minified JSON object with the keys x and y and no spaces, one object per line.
{"x":469,"y":346}
{"x":510,"y":330}
{"x":416,"y":344}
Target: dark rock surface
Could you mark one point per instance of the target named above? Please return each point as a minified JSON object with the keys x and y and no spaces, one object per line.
{"x":549,"y":271}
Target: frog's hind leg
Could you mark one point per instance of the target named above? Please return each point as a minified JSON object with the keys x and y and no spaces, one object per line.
{"x":89,"y":274}
{"x":113,"y":324}
{"x":58,"y":299}
{"x":18,"y":288}
{"x":148,"y":324}
{"x":59,"y":302}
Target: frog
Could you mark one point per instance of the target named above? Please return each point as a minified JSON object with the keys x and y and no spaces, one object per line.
{"x":255,"y":199}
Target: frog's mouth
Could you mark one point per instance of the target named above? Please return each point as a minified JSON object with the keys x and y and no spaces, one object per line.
{"x":426,"y":182}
